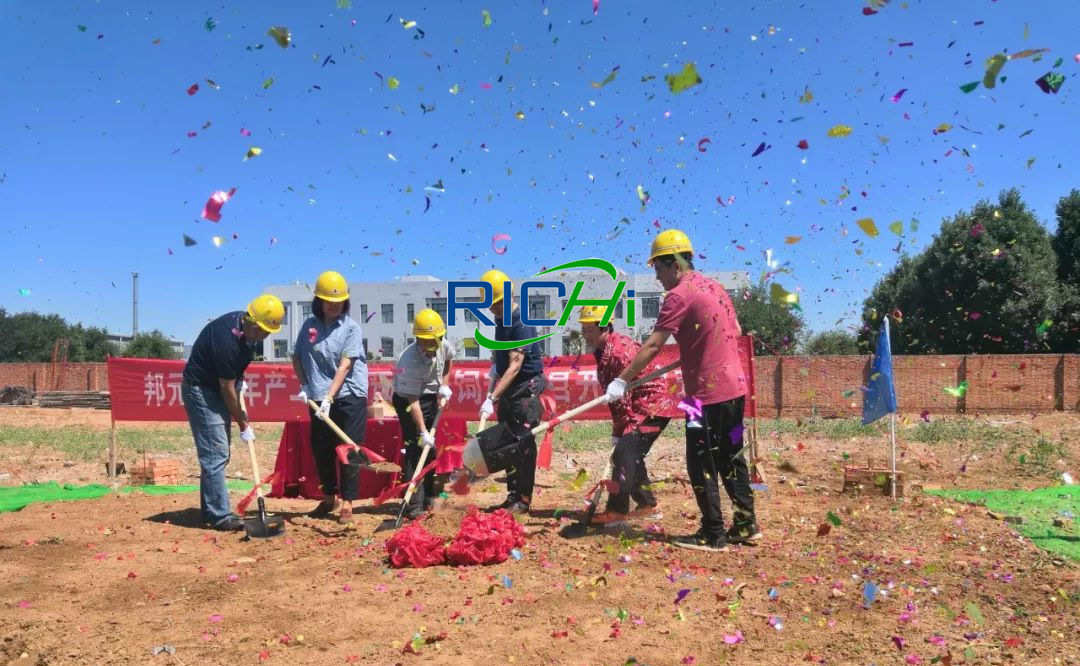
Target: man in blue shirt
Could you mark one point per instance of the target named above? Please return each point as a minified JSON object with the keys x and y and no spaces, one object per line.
{"x":517,"y":381}
{"x":213,"y":372}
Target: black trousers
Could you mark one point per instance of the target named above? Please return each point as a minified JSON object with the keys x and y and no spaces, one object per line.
{"x":628,"y":465}
{"x":713,"y":458}
{"x":410,"y":437}
{"x":348,"y":412}
{"x":520,"y":410}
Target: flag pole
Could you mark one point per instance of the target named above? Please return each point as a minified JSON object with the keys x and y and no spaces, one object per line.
{"x":892,"y":434}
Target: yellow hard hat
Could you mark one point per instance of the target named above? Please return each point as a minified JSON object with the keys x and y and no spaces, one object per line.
{"x":671,"y":241}
{"x":266,"y":311}
{"x":495,"y":278}
{"x":591,"y":314}
{"x":428,"y":325}
{"x":331,"y":286}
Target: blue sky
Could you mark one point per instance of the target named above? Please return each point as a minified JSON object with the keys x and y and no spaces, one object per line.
{"x":98,"y":176}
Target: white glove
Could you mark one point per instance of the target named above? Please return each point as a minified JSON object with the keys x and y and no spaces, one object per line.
{"x":615,"y":390}
{"x":487,"y":409}
{"x":445,"y":392}
{"x":324,"y":408}
{"x":427,"y":439}
{"x":302,"y":396}
{"x":248,"y":434}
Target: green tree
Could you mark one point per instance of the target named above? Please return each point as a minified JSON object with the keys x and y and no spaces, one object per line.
{"x":89,"y":344}
{"x":29,"y":337}
{"x":986,"y":284}
{"x":833,"y":343}
{"x":775,"y":325}
{"x":1065,"y":332}
{"x":150,"y":345}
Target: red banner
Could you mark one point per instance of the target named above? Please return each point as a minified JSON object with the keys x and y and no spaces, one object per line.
{"x":149,"y":389}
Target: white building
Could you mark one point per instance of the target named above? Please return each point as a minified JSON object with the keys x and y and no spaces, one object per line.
{"x":385,"y":310}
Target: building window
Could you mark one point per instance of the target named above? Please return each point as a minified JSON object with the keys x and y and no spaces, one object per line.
{"x":388,"y":313}
{"x":650,"y":307}
{"x":410,"y":313}
{"x":285,"y":317}
{"x":438,"y":305}
{"x":472,"y":350}
{"x":387,"y":349}
{"x":305,"y":310}
{"x":281,"y":348}
{"x":470,"y":318}
{"x":538,"y":307}
{"x":363,"y":313}
{"x":366,"y":352}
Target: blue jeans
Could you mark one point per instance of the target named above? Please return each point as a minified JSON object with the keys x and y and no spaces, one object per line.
{"x":210,"y":423}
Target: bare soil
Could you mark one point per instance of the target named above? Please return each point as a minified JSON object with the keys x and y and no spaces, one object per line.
{"x":107,"y":581}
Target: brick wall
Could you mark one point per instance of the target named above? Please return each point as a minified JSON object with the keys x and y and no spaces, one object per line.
{"x":799,"y":385}
{"x":68,"y":377}
{"x":830,"y":385}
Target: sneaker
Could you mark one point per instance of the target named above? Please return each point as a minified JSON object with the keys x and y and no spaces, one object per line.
{"x":747,"y":535}
{"x":506,"y":504}
{"x":518,"y":508}
{"x":702,"y":541}
{"x":325,"y":508}
{"x":230,"y":524}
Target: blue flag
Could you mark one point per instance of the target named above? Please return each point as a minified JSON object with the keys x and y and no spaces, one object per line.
{"x":879,"y":398}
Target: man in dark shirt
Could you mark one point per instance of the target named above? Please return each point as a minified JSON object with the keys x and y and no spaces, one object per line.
{"x":517,"y":381}
{"x":213,"y":372}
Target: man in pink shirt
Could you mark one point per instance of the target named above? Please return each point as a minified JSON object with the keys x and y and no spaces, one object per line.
{"x":699,"y":313}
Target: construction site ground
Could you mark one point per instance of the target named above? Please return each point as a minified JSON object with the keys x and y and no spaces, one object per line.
{"x":117,"y":579}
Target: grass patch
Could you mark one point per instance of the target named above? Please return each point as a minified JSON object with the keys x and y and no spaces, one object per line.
{"x":15,"y":498}
{"x":828,"y":428}
{"x":1038,"y":507}
{"x":82,"y":444}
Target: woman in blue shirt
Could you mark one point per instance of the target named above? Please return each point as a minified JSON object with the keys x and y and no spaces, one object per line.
{"x":329,"y":361}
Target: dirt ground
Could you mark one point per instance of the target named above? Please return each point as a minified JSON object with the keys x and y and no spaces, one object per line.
{"x":107,"y":581}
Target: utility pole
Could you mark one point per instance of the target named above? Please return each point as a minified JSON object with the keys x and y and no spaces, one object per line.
{"x":134,"y":304}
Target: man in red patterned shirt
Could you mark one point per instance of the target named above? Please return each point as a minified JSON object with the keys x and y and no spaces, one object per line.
{"x":699,"y":314}
{"x":636,"y":419}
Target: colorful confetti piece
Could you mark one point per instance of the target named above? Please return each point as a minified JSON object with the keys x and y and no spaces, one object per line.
{"x":688,"y":78}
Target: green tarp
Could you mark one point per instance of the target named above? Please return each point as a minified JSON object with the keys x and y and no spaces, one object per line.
{"x":1038,"y":508}
{"x":13,"y":498}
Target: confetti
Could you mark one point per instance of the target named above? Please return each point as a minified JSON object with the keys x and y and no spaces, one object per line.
{"x":188,"y":241}
{"x":1042,"y":328}
{"x":245,"y":131}
{"x":688,"y":78}
{"x":803,"y":144}
{"x":942,"y":128}
{"x":681,"y":595}
{"x":595,"y":7}
{"x":869,"y":592}
{"x":968,"y":87}
{"x":897,"y":227}
{"x":254,"y":151}
{"x":24,"y":292}
{"x":807,"y":96}
{"x":957,"y":391}
{"x":760,"y":149}
{"x":702,"y":143}
{"x":732,"y":639}
{"x":898,"y":95}
{"x":838,"y":130}
{"x":791,"y":240}
{"x":993,"y":67}
{"x":868,"y":226}
{"x":407,"y":25}
{"x":642,"y":195}
{"x":1027,"y":53}
{"x":392,"y":83}
{"x":267,"y":83}
{"x":833,"y":519}
{"x":487,"y":17}
{"x":192,"y":89}
{"x":780,"y":295}
{"x":281,"y":35}
{"x":496,"y":239}
{"x":520,"y":115}
{"x":608,"y":79}
{"x":210,"y":24}
{"x":823,"y":529}
{"x":1050,"y":82}
{"x":212,"y":209}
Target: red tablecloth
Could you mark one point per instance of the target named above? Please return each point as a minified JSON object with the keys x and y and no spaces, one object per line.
{"x":295,"y":466}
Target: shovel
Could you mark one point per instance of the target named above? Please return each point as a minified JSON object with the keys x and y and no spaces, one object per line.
{"x":416,"y":473}
{"x":499,"y":440}
{"x":261,"y":526}
{"x":382,"y":466}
